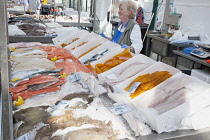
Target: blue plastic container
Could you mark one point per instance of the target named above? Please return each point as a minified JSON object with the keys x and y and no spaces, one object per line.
{"x":188,"y":50}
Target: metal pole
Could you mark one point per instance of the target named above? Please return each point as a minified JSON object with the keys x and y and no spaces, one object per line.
{"x":6,"y":112}
{"x":154,"y":11}
{"x":94,"y":16}
{"x":148,"y":28}
{"x":166,"y":12}
{"x":79,"y":12}
{"x":86,"y":9}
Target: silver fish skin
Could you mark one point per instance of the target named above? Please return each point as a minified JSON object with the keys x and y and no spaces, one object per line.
{"x":46,"y":72}
{"x":40,"y":86}
{"x":97,"y":56}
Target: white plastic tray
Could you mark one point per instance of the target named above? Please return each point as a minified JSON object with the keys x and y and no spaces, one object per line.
{"x":96,"y":41}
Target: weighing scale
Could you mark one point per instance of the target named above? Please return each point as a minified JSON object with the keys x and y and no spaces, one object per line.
{"x":203,"y":51}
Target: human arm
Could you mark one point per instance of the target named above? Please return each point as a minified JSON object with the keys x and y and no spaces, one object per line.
{"x":136,"y":41}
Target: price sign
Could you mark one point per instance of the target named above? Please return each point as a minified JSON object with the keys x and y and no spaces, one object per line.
{"x":75,"y":77}
{"x":134,"y":87}
{"x":24,"y":137}
{"x":111,"y":76}
{"x":120,"y":109}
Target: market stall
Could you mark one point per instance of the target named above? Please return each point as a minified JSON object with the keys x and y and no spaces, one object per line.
{"x":81,"y":88}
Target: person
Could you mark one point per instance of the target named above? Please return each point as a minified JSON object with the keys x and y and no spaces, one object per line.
{"x":140,"y":16}
{"x":34,"y":5}
{"x":128,"y":33}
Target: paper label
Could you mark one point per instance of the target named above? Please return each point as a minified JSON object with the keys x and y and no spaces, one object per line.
{"x":75,"y":77}
{"x":24,"y":137}
{"x":111,"y":76}
{"x":62,"y":104}
{"x":134,"y":87}
{"x":120,"y":109}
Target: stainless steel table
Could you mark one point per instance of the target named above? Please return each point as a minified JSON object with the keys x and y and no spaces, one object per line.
{"x":42,"y":39}
{"x":194,"y":59}
{"x":203,"y":134}
{"x":88,"y":24}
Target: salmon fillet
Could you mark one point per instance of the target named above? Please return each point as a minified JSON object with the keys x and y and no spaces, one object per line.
{"x":72,"y":66}
{"x":42,"y":79}
{"x":28,"y":94}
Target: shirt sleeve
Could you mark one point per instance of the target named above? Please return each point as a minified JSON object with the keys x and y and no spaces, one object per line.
{"x":136,"y":40}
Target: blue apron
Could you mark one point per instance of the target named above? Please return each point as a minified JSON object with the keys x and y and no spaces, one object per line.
{"x":118,"y":34}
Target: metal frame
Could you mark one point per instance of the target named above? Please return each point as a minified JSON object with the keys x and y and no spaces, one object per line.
{"x":79,"y":24}
{"x":6,"y":103}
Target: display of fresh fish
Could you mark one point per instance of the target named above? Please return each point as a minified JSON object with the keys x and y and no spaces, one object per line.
{"x":31,"y":63}
{"x":24,"y":50}
{"x":113,"y":62}
{"x":72,"y":66}
{"x":27,"y":77}
{"x":24,"y":44}
{"x":126,"y":73}
{"x":31,"y":53}
{"x":30,"y":117}
{"x":61,"y":53}
{"x":40,"y":86}
{"x":97,"y":56}
{"x":166,"y":89}
{"x":25,"y":94}
{"x":48,"y":99}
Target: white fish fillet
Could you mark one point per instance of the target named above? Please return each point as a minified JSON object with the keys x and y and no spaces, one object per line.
{"x":97,"y":111}
{"x":24,"y":45}
{"x":179,"y":97}
{"x":132,"y":70}
{"x":24,"y":50}
{"x":70,"y":129}
{"x":32,"y":63}
{"x":136,"y":122}
{"x":162,"y":92}
{"x":41,"y":100}
{"x":128,"y":72}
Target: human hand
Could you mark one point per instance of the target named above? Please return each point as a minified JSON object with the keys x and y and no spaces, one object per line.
{"x":103,"y":35}
{"x":124,"y":46}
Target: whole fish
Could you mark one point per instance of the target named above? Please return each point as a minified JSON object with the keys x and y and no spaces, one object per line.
{"x":45,"y":72}
{"x":97,"y":56}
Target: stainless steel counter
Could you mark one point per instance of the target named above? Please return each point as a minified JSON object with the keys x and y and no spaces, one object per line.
{"x":6,"y":132}
{"x":42,"y":39}
{"x":160,"y":45}
{"x":203,"y":134}
{"x":180,"y":53}
{"x":75,"y":24}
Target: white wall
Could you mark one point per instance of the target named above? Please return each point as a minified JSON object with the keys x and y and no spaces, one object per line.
{"x":195,"y":15}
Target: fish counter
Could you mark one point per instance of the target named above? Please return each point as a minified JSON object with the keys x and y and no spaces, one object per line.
{"x":86,"y":87}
